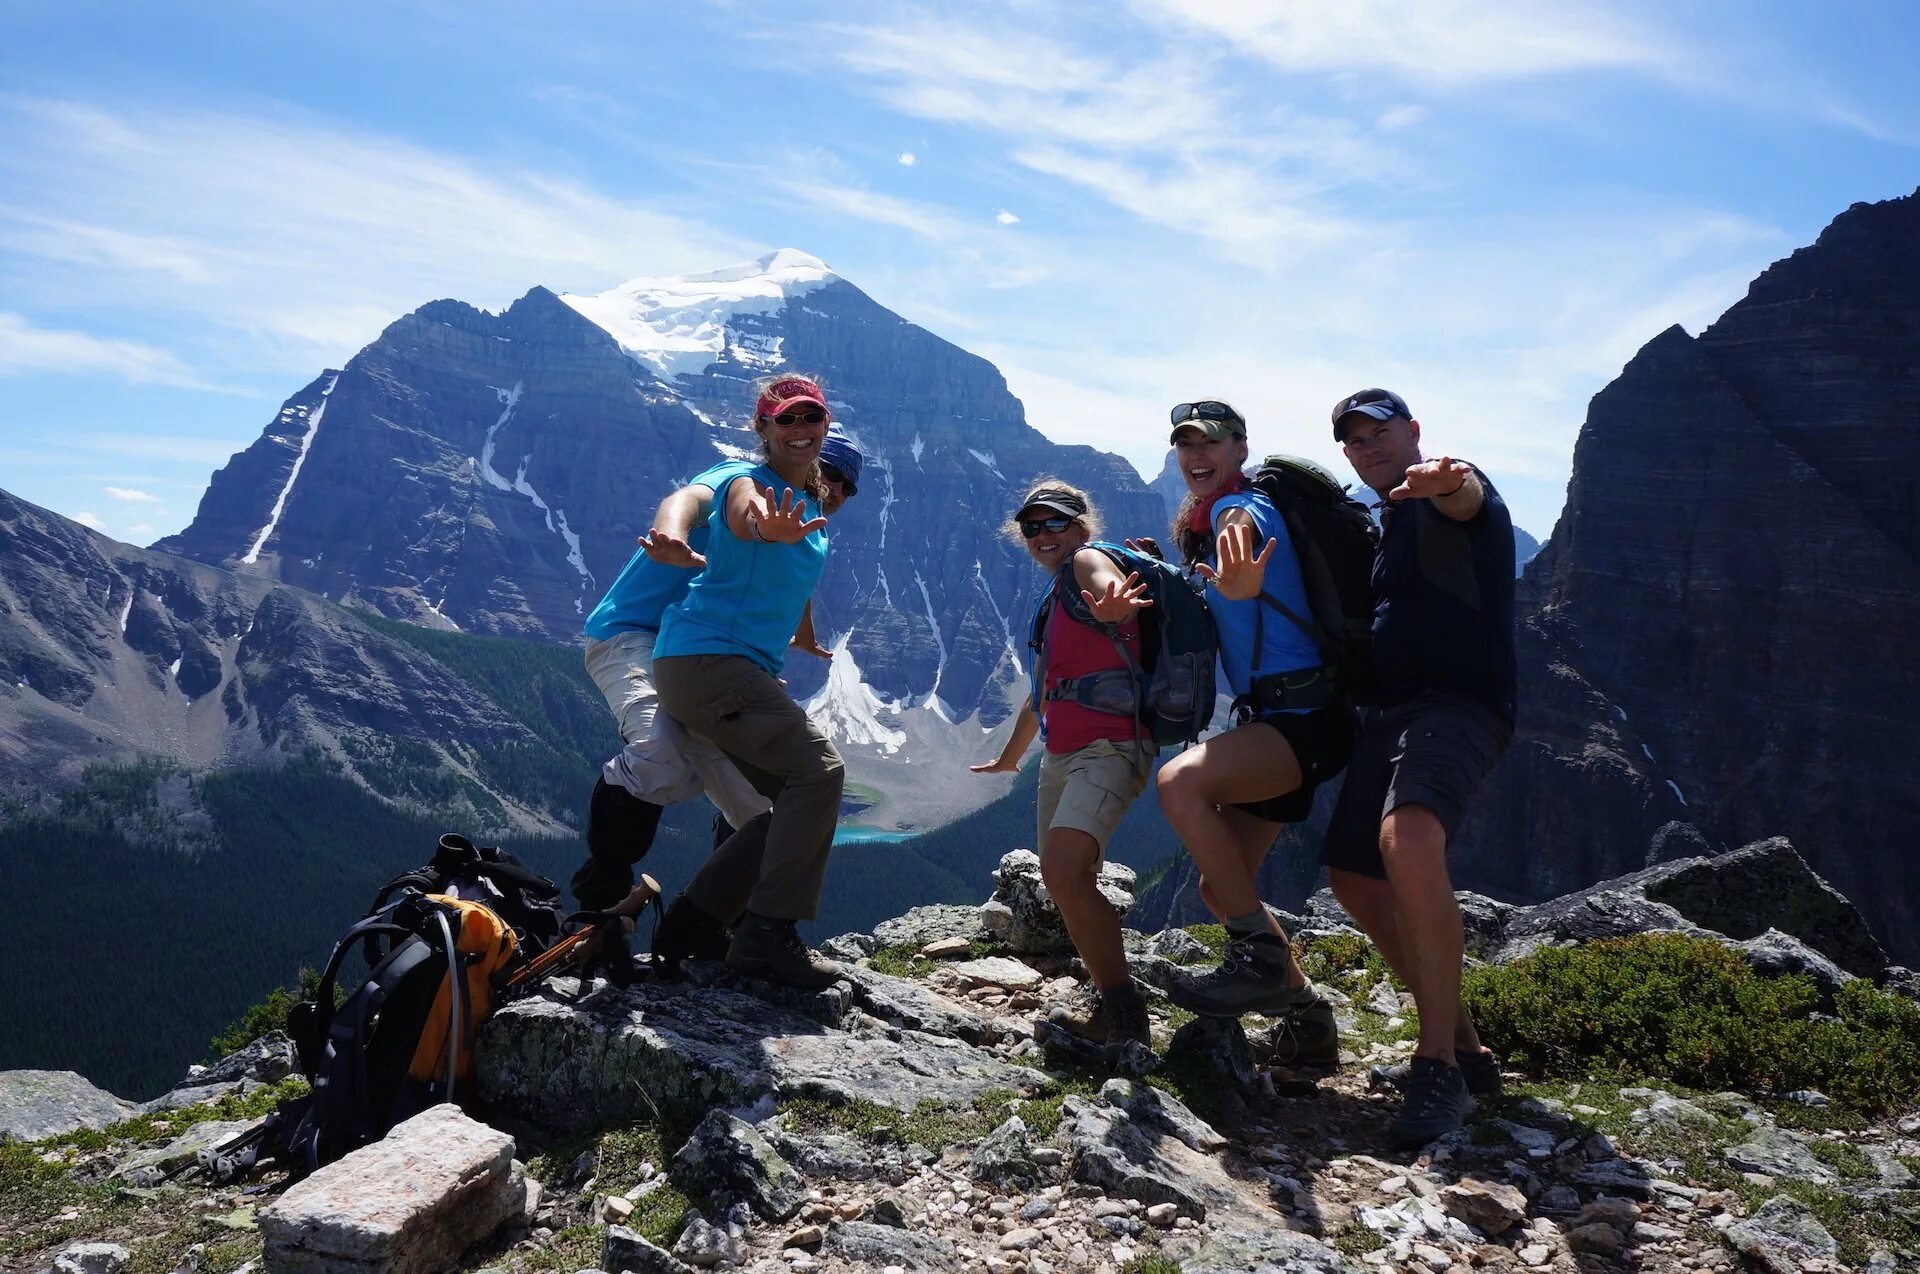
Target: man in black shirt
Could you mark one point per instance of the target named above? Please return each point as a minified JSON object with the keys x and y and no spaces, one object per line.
{"x":1443,"y":652}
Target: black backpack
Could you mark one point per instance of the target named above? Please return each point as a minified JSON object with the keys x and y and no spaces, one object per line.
{"x":1335,"y":539}
{"x":402,"y":1041}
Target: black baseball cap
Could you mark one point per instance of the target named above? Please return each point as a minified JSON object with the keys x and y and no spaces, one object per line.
{"x":1381,"y":404}
{"x":1062,"y":502}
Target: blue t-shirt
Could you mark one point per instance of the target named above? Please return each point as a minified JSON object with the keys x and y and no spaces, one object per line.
{"x":1282,"y":647}
{"x":749,"y":599}
{"x":645,"y":588}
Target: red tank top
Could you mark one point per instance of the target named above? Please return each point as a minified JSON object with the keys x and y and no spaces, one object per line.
{"x":1075,"y":650}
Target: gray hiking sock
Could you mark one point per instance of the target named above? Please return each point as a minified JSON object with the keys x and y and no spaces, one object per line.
{"x":1253,"y":922}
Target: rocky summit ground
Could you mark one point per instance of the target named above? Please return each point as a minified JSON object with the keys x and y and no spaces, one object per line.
{"x":913,"y":1118}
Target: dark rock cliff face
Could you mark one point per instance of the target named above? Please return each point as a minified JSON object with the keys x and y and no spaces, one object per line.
{"x":109,"y":653}
{"x":1723,"y":627}
{"x":492,"y":472}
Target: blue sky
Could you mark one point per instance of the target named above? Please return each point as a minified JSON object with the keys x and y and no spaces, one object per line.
{"x":1485,"y":206}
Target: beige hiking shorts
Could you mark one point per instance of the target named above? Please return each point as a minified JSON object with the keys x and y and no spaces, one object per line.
{"x":1090,"y":790}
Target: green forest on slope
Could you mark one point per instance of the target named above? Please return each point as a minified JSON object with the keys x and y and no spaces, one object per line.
{"x":126,"y":956}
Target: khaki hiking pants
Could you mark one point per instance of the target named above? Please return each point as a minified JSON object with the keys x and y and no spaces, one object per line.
{"x":745,"y":710}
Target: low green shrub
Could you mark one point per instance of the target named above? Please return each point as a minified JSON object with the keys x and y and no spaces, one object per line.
{"x":1690,"y":1010}
{"x":270,"y":1014}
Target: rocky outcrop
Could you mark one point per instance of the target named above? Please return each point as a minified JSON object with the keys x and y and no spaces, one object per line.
{"x":38,"y":1103}
{"x":1709,"y":634}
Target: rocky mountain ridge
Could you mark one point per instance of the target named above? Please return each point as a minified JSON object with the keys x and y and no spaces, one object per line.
{"x":913,"y":1117}
{"x":1712,"y":642}
{"x":491,"y":472}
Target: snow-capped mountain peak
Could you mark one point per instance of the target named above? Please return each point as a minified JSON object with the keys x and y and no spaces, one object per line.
{"x":678,"y":325}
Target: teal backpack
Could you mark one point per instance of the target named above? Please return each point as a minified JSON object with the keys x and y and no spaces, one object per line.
{"x":1171,"y":687}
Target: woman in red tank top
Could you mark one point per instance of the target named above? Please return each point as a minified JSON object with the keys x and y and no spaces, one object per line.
{"x":1097,"y":758}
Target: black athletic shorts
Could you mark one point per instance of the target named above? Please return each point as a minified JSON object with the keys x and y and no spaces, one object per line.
{"x":1434,"y":750}
{"x":1321,"y":740}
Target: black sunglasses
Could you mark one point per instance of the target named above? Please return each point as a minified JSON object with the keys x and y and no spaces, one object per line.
{"x":1208,"y":410}
{"x":1055,"y":525}
{"x":836,"y":477}
{"x":788,"y":419}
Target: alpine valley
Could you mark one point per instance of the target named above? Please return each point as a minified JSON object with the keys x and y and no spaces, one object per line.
{"x":217,"y":748}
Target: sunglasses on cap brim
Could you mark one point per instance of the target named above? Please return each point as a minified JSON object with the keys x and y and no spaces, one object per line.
{"x":1207,"y":410}
{"x":832,"y":474}
{"x":804,"y":416}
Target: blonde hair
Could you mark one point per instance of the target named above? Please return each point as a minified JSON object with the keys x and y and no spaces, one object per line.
{"x":1090,"y":519}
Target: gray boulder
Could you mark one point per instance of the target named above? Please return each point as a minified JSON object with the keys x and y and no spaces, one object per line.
{"x":1783,"y":1236}
{"x":863,"y":1244}
{"x":267,"y":1060}
{"x":1774,"y":954}
{"x":1150,"y":1107}
{"x":728,"y":1154}
{"x":625,"y":1252}
{"x":1178,"y":946}
{"x":1780,"y":1153}
{"x":930,"y":923}
{"x":1218,"y":1043}
{"x":36,"y":1104}
{"x":701,"y":1244}
{"x":91,"y":1258}
{"x":677,"y":1051}
{"x":415,"y":1200}
{"x":1484,"y":921}
{"x":1034,"y":926}
{"x":1267,"y":1251}
{"x":1731,"y":897}
{"x":1004,"y":1159}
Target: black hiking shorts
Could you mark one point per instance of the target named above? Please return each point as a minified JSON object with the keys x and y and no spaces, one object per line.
{"x":1321,"y":740}
{"x":1434,"y":750}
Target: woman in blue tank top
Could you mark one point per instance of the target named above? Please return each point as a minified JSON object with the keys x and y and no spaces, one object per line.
{"x":1230,"y":796}
{"x":717,"y":666}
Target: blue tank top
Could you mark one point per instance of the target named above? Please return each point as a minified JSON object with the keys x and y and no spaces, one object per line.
{"x":645,"y":588}
{"x":749,"y":599}
{"x":1283,"y":647}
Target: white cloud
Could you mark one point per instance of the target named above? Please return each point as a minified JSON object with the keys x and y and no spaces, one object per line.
{"x":91,"y":520}
{"x":141,"y":528}
{"x":27,"y":349}
{"x":1439,"y":42}
{"x":302,"y":237}
{"x":908,"y":159}
{"x":1006,"y":218}
{"x":1402,"y":117}
{"x":132,"y":496}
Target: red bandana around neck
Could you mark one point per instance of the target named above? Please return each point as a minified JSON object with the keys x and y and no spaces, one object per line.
{"x":1200,"y":521}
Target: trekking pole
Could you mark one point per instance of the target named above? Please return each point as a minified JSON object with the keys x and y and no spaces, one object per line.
{"x":578,"y":947}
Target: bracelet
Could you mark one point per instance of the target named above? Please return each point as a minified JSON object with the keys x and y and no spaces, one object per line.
{"x":753,"y":529}
{"x":1444,"y":495}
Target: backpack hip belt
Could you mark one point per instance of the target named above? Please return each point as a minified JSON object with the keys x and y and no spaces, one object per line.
{"x":1302,"y":690}
{"x":1113,"y":691}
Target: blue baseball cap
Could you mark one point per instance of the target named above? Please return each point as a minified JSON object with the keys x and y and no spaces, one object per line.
{"x":1381,"y":404}
{"x":838,"y":451}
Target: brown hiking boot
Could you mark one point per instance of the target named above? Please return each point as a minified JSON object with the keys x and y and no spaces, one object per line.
{"x":767,"y":948}
{"x":1305,"y":1037}
{"x":1105,"y":1017}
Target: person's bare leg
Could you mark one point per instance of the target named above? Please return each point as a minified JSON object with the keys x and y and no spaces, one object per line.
{"x":1249,"y":763}
{"x":1070,"y":866}
{"x":1255,"y":841}
{"x":1371,"y":904}
{"x":1413,"y":845}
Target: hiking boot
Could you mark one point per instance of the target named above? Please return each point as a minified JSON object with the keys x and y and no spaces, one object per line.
{"x":767,"y":948}
{"x":685,"y":932}
{"x":1105,"y":1017}
{"x":1307,"y":1037}
{"x":1437,"y":1103}
{"x":1482,"y":1072}
{"x":1252,"y":979}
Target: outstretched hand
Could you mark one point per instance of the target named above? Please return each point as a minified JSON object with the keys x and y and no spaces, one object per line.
{"x":1118,"y":599}
{"x":999,"y":765}
{"x":808,"y":645}
{"x":783,"y":520}
{"x":1432,"y":477}
{"x":1239,"y":573}
{"x":670,"y":550}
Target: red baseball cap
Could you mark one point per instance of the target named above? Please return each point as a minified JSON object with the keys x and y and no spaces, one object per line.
{"x":787,"y":393}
